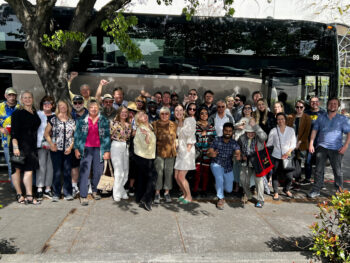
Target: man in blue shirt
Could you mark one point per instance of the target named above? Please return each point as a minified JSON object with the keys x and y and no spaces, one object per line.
{"x":222,"y":151}
{"x":330,"y":128}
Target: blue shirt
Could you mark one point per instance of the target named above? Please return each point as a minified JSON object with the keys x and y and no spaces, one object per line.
{"x":226,"y":150}
{"x":330,"y":132}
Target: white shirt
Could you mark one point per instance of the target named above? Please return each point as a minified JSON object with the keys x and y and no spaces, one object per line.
{"x":219,"y":124}
{"x":41,"y":128}
{"x":288,"y":141}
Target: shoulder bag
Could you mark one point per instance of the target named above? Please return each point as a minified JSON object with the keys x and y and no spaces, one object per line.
{"x":261,"y":161}
{"x":288,"y":163}
{"x":106,"y":182}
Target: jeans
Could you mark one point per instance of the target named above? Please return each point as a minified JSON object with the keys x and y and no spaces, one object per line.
{"x":60,"y":162}
{"x":120,"y":161}
{"x":335,"y":159}
{"x":8,"y":162}
{"x":146,"y":179}
{"x":165,"y":169}
{"x":91,"y":158}
{"x":44,"y":174}
{"x":223,"y":181}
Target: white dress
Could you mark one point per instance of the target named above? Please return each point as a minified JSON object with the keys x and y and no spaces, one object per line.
{"x":186,"y":135}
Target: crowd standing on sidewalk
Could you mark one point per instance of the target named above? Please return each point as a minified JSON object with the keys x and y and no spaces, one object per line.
{"x":155,"y":140}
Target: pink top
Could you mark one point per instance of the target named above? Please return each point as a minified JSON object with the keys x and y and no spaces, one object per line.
{"x":93,"y":138}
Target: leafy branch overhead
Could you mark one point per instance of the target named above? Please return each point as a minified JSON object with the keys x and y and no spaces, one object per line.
{"x":60,"y":38}
{"x":117,"y":29}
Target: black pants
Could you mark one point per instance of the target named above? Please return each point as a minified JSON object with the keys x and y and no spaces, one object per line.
{"x":280,"y":174}
{"x":146,"y":179}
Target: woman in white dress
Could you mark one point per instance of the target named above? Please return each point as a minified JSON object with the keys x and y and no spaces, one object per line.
{"x":185,"y":158}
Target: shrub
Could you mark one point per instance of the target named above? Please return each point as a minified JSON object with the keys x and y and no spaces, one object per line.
{"x":331,"y":235}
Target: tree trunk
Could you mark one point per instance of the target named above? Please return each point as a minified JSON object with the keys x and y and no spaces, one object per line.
{"x":51,"y":68}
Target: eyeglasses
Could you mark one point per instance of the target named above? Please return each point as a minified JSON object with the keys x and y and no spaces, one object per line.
{"x":299,"y":107}
{"x":247,"y":108}
{"x":77,"y":102}
{"x":139,"y":101}
{"x":237,"y":100}
{"x":164,"y":113}
{"x":220,"y":107}
{"x":192,"y":109}
{"x":47,"y":103}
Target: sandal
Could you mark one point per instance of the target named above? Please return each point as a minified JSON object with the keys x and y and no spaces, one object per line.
{"x":19,"y":200}
{"x":32,"y":201}
{"x":184,"y":201}
{"x":276,"y":198}
{"x":288,"y":194}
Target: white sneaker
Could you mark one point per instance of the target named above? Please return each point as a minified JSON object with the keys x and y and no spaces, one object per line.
{"x":90,"y":189}
{"x":125,"y":196}
{"x":117,"y":199}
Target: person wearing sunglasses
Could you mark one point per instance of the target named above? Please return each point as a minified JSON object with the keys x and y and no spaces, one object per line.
{"x":107,"y":109}
{"x":191,"y":110}
{"x":165,"y":131}
{"x":219,"y":118}
{"x":85,"y":90}
{"x":238,"y":103}
{"x":78,"y":112}
{"x":301,"y":123}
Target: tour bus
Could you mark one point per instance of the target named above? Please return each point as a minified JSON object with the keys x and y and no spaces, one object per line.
{"x":224,"y":54}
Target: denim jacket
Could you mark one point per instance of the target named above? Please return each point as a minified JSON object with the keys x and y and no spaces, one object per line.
{"x":81,"y":133}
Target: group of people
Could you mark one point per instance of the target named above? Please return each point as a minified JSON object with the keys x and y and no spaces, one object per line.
{"x":156,"y":138}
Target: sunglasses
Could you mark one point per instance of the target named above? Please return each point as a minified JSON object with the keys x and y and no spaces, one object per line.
{"x":77,"y":102}
{"x":192,"y":109}
{"x":299,"y":107}
{"x":237,"y":100}
{"x":139,"y":101}
{"x":47,"y":103}
{"x":108,"y":101}
{"x":220,"y":107}
{"x":164,"y":113}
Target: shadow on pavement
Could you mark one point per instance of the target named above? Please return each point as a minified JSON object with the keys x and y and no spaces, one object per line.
{"x":7,"y":194}
{"x":291,"y":244}
{"x":7,"y":246}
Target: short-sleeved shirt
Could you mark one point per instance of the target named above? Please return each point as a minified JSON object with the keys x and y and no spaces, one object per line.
{"x":330,"y":132}
{"x":226,"y":151}
{"x":5,"y":120}
{"x":314,"y":116}
{"x":62,"y":132}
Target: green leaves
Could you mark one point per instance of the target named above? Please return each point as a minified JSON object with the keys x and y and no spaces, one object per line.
{"x":331,"y":236}
{"x":117,"y":29}
{"x":60,"y":38}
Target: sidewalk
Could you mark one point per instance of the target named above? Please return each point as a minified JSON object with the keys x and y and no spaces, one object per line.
{"x":106,"y":231}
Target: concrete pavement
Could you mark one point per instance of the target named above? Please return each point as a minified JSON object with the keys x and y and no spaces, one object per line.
{"x":106,"y":231}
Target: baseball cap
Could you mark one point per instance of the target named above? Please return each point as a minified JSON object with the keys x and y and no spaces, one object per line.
{"x":152,"y":102}
{"x":10,"y":90}
{"x":107,"y":96}
{"x":78,"y":97}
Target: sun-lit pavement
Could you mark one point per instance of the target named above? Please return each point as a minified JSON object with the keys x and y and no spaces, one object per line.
{"x":106,"y":231}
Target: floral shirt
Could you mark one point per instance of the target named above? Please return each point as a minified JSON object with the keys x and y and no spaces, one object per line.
{"x":120,"y":132}
{"x":62,"y":132}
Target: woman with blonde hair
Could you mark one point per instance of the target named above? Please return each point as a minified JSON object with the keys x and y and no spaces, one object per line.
{"x":263,"y":117}
{"x":144,"y":155}
{"x":24,"y":126}
{"x":59,"y":133}
{"x":120,"y":135}
{"x":92,"y":145}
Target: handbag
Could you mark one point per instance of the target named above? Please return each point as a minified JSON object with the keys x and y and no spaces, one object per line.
{"x":261,"y":161}
{"x":106,"y":182}
{"x":18,"y":159}
{"x":288,"y":163}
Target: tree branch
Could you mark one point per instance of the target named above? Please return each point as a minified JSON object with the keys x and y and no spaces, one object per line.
{"x":24,"y":11}
{"x":43,"y":13}
{"x":82,"y":15}
{"x":105,"y":12}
